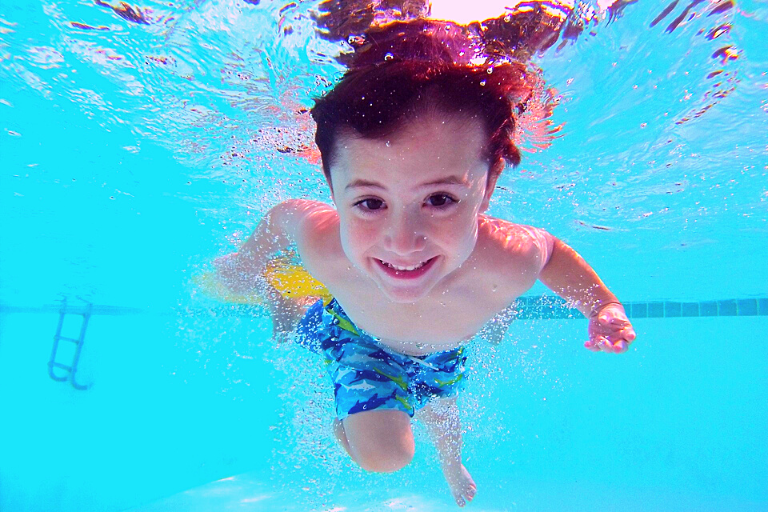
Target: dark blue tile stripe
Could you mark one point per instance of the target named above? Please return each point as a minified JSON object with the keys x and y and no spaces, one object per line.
{"x":554,"y":307}
{"x":542,"y":308}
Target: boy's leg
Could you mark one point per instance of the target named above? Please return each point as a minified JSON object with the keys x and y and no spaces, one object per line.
{"x":286,"y":313}
{"x":380,"y":440}
{"x":441,"y":417}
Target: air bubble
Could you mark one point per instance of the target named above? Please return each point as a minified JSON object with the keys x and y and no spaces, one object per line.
{"x":388,"y":56}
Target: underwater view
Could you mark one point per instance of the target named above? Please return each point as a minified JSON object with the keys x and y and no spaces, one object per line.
{"x":142,"y":144}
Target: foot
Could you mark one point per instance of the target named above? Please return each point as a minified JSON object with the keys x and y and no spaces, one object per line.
{"x":459,"y":480}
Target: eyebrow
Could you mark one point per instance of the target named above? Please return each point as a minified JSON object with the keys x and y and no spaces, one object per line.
{"x":450,"y":180}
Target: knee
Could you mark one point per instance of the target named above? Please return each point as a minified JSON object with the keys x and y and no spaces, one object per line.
{"x":385,"y":457}
{"x":380,"y":440}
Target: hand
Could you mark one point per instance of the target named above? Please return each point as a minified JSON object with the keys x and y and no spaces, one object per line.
{"x":609,"y":329}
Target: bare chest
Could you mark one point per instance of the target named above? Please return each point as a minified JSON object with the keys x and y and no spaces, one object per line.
{"x":442,"y":321}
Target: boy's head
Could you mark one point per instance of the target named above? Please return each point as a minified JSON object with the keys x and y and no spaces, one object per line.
{"x":411,"y":149}
{"x":404,"y":68}
{"x":377,"y":101}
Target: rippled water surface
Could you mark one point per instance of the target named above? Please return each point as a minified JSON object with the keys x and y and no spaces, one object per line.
{"x":153,"y":112}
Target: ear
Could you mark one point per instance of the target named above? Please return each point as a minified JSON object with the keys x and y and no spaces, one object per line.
{"x":490,"y":186}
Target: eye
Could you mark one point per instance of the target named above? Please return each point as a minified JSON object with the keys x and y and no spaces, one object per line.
{"x":370,"y":204}
{"x":440,"y":200}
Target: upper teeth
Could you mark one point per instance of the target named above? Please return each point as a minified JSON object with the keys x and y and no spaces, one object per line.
{"x":404,"y":268}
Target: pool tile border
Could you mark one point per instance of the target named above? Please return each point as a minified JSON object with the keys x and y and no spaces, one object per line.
{"x":547,"y":307}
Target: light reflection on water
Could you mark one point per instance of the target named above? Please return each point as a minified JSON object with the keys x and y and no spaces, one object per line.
{"x":181,"y":124}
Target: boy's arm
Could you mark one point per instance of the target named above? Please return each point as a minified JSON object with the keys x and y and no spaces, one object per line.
{"x":567,"y":274}
{"x":281,"y":226}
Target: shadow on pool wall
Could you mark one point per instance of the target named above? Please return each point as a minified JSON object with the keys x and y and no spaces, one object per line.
{"x":675,"y":424}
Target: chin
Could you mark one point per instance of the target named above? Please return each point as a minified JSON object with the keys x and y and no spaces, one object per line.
{"x":403,"y":296}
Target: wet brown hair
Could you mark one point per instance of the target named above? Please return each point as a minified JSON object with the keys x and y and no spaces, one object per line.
{"x":408,"y":70}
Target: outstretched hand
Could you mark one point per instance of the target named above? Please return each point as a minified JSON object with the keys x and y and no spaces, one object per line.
{"x":609,"y":329}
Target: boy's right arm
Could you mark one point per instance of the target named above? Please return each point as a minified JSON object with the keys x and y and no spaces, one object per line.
{"x":283,"y":225}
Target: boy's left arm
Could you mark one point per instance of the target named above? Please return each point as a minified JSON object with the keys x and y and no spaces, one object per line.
{"x":567,"y":274}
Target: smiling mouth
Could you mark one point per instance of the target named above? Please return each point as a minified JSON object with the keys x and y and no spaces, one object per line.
{"x":409,"y":272}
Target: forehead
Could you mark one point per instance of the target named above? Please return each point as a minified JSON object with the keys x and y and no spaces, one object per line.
{"x":429,"y":146}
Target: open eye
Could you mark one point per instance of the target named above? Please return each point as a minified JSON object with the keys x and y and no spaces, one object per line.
{"x":370,"y":204}
{"x":440,"y":200}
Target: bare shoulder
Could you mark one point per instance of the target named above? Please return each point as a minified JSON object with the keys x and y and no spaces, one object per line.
{"x":317,"y":236}
{"x":516,"y":250}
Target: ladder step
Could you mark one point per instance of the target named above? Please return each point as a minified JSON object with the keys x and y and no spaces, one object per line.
{"x":73,"y":340}
{"x":62,"y":366}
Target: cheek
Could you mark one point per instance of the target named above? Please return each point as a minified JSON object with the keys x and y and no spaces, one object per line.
{"x":460,"y":231}
{"x":356,"y":236}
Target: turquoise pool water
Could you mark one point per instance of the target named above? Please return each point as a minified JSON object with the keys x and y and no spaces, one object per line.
{"x":132,"y":154}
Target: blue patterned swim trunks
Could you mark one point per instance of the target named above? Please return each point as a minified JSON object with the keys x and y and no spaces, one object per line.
{"x":368,"y":375}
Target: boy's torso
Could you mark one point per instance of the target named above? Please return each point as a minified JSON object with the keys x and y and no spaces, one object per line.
{"x":505,"y":263}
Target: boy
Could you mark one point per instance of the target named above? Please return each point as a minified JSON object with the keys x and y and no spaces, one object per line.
{"x":412,"y":147}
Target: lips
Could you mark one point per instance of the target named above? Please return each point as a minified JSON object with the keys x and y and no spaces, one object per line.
{"x":406,"y":272}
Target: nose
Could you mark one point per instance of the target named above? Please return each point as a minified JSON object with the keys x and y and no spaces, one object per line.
{"x":404,"y":233}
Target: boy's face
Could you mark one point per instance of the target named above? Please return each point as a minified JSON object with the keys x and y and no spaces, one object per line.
{"x":409,"y":204}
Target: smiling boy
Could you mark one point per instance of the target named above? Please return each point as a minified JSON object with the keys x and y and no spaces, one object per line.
{"x":411,"y":151}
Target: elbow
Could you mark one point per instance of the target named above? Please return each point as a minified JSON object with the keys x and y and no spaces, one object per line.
{"x":282,"y":216}
{"x":551,"y":245}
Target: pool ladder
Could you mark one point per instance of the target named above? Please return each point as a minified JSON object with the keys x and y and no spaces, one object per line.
{"x":71,"y":369}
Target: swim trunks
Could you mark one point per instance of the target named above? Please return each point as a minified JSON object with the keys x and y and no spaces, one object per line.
{"x":368,"y":375}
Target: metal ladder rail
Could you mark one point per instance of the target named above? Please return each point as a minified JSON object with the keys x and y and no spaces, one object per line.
{"x":71,"y":369}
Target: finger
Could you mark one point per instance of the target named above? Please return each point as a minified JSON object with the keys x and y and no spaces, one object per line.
{"x":591,"y":345}
{"x":596,"y":344}
{"x":628,"y":333}
{"x":604,"y":344}
{"x":620,"y":346}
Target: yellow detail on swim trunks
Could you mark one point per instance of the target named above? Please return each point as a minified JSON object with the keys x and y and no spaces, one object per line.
{"x":400,"y":381}
{"x":344,"y":323}
{"x":405,"y":403}
{"x":450,"y":382}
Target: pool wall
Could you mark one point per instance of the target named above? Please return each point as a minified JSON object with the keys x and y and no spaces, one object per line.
{"x":152,"y":422}
{"x":678,"y":423}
